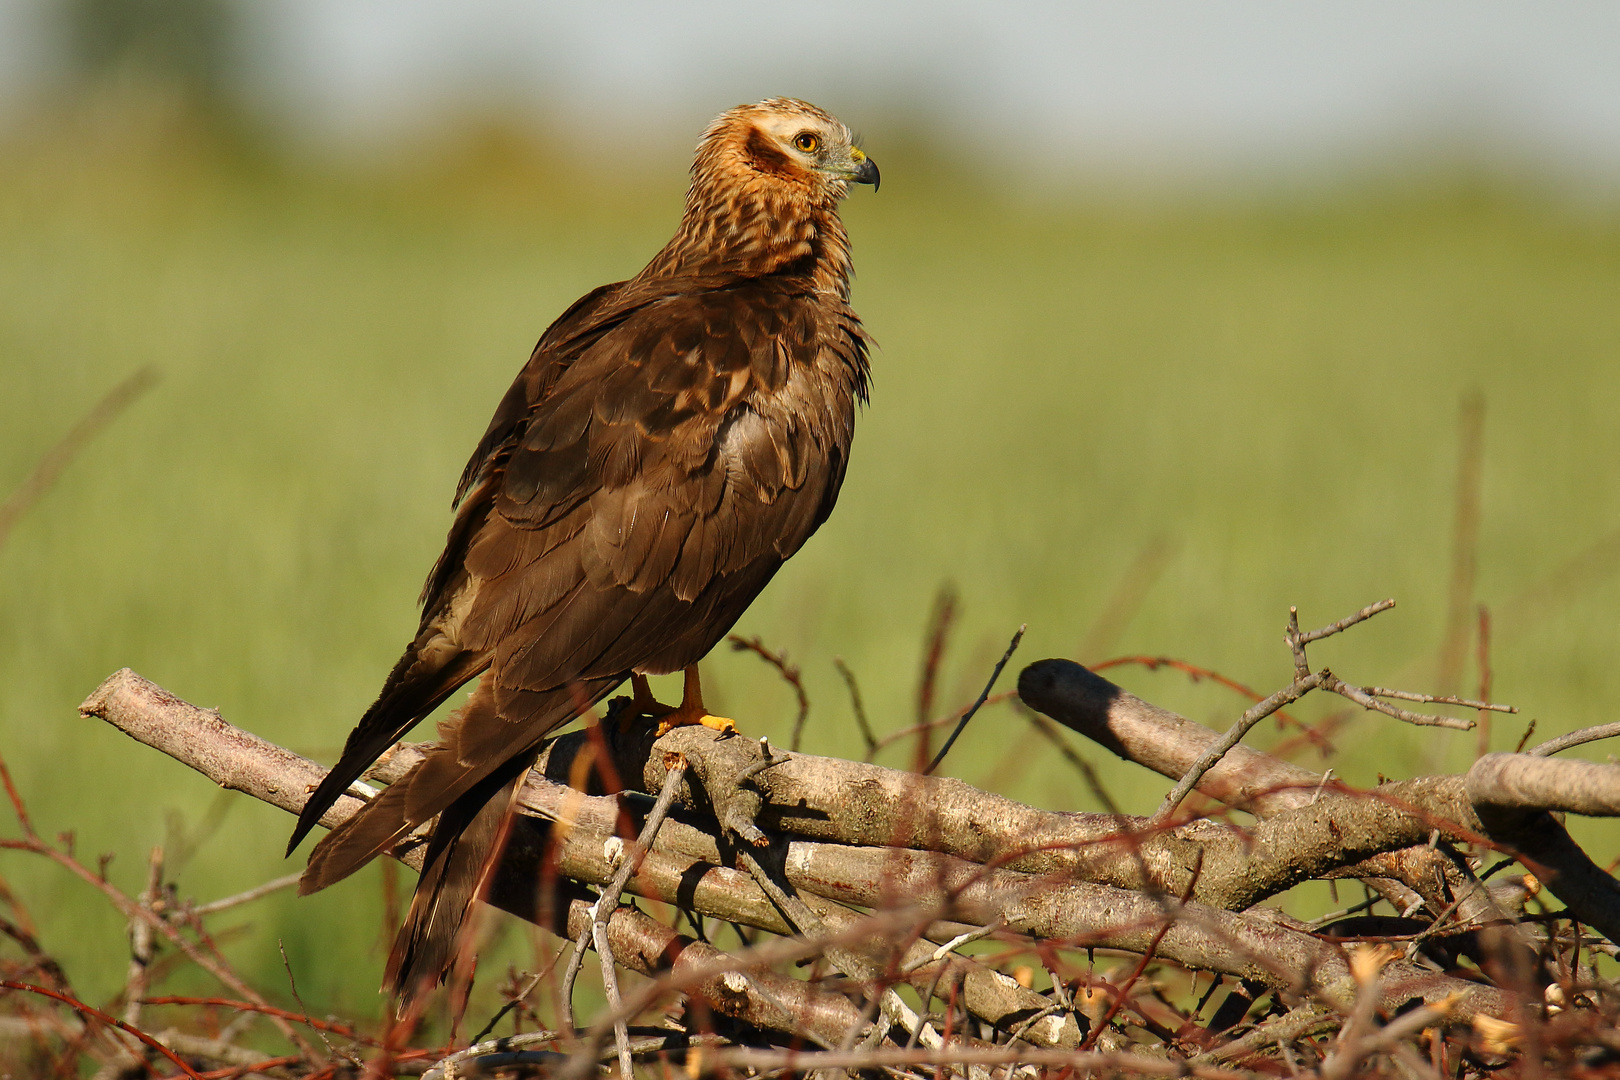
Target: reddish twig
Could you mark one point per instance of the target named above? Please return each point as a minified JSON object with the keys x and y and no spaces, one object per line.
{"x":215,"y":965}
{"x":236,"y":1071}
{"x":343,"y":1030}
{"x":856,"y":704}
{"x":1199,"y":674}
{"x":789,"y":673}
{"x":1482,"y":655}
{"x":78,"y":1006}
{"x":939,"y":633}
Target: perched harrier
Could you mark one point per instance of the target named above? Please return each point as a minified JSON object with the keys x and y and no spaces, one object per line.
{"x":673,"y":439}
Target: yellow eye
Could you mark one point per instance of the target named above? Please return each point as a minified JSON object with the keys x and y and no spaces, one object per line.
{"x":807,"y":142}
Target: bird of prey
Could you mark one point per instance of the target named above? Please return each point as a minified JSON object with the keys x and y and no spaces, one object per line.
{"x":672,"y":440}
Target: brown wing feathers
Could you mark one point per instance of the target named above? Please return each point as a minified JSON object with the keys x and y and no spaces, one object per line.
{"x":671,"y":441}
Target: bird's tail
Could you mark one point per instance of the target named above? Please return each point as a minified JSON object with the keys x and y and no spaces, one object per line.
{"x":418,"y":684}
{"x":469,"y":782}
{"x":465,"y":846}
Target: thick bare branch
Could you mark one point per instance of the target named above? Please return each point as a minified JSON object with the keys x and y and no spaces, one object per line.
{"x":1250,"y":946}
{"x":1159,"y":739}
{"x":1510,"y":782}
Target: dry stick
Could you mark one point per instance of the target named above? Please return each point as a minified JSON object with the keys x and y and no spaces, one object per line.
{"x":818,"y":791}
{"x":246,"y":896}
{"x":939,"y":630}
{"x":1308,"y":732}
{"x":1299,"y":1022}
{"x":955,"y":1053}
{"x":1575,"y":738}
{"x":140,"y":941}
{"x":1482,"y":659}
{"x":855,"y":703}
{"x":141,"y":950}
{"x":1127,"y":598}
{"x":1339,"y":627}
{"x":983,"y":694}
{"x":605,"y":903}
{"x":1367,"y":697}
{"x":1368,"y":701}
{"x":1234,"y":734}
{"x":789,"y":672}
{"x":1526,"y":783}
{"x":131,"y":910}
{"x":67,"y":448}
{"x":448,"y":1067}
{"x":81,"y":1007}
{"x":298,"y":999}
{"x":1437,"y":699}
{"x":1464,"y":538}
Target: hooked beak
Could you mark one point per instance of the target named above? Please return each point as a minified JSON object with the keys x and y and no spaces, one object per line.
{"x":866,"y":170}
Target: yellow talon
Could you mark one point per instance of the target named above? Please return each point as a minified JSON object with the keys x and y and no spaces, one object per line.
{"x":690,"y":711}
{"x":722,"y":724}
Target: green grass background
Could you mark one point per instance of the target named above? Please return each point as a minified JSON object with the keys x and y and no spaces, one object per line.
{"x":1267,"y":382}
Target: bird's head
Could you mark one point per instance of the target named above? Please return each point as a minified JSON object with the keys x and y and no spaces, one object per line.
{"x":783,"y":142}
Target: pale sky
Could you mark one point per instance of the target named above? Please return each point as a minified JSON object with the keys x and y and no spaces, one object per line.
{"x":1168,"y":85}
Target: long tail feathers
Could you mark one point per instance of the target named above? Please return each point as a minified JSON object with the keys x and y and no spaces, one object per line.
{"x":470,"y":785}
{"x":464,"y":850}
{"x":409,"y":694}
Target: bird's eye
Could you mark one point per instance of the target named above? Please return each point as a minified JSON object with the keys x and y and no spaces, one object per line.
{"x":807,"y":142}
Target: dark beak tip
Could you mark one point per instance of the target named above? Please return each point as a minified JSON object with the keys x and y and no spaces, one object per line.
{"x":867,"y":173}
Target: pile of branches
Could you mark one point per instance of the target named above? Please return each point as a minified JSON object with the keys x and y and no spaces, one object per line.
{"x":756,"y":911}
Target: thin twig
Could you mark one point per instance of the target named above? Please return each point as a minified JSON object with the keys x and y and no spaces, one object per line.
{"x":952,"y":945}
{"x":1367,"y":701}
{"x":1234,"y":734}
{"x":215,"y":965}
{"x":67,"y":448}
{"x":259,"y":1009}
{"x":855,"y":703}
{"x":1347,"y":622}
{"x":246,"y":896}
{"x":1198,"y":674}
{"x":140,"y":941}
{"x":292,"y":984}
{"x":1437,"y":699}
{"x":97,"y":1014}
{"x":1482,"y":660}
{"x":789,"y":672}
{"x":940,"y":622}
{"x":983,"y":694}
{"x":1575,"y":738}
{"x":605,"y":903}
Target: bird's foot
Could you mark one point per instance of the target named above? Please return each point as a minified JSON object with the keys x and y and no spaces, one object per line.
{"x":681,"y":718}
{"x":690,"y":711}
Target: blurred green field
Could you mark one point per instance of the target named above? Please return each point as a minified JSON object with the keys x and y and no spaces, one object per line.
{"x":1267,"y":388}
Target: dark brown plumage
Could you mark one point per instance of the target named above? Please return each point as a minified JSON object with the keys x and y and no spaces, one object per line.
{"x":672,"y":440}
